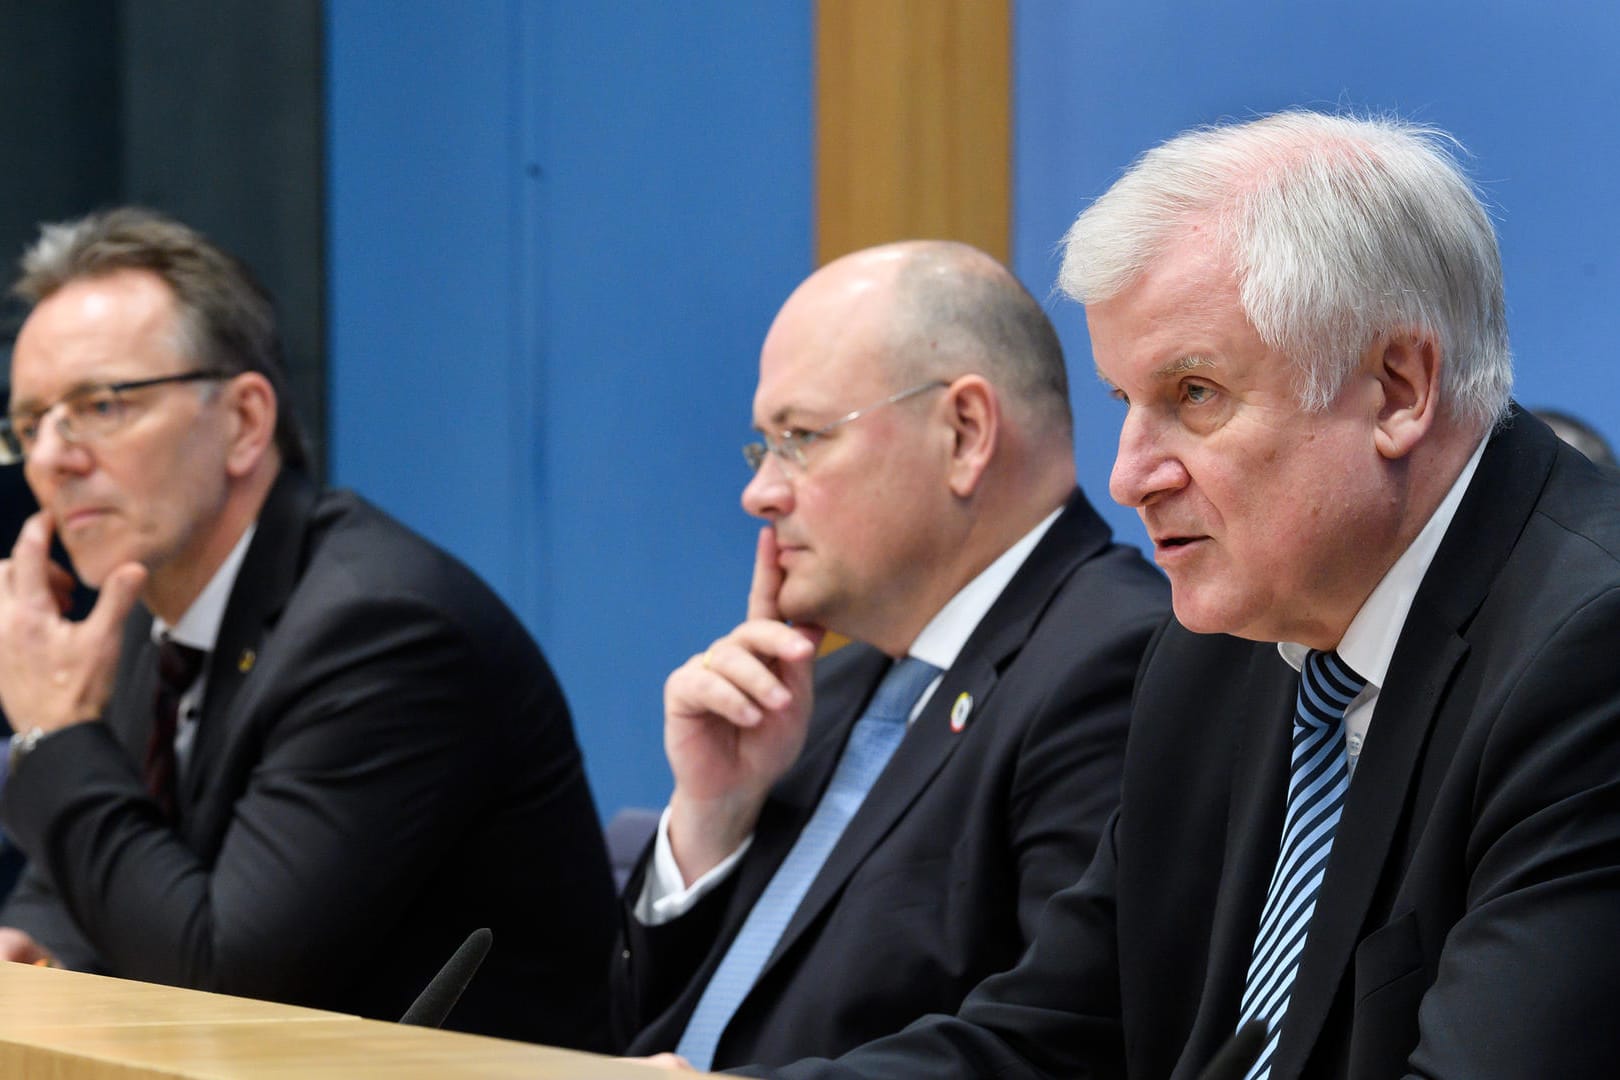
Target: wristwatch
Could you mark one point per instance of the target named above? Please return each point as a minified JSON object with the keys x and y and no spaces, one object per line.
{"x":21,"y":746}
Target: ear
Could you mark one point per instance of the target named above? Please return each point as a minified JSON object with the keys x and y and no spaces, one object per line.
{"x":251,"y":409}
{"x":974,"y":415}
{"x":1406,"y":370}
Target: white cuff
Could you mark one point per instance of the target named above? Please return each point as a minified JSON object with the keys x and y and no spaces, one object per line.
{"x":665,"y":896}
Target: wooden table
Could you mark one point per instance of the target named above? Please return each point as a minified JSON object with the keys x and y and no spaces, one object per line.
{"x":64,"y":1025}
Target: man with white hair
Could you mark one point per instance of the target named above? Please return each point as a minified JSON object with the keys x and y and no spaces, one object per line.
{"x":1369,"y":802}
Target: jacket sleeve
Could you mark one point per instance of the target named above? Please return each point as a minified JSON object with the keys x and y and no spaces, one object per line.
{"x":655,"y":964}
{"x":1527,"y":976}
{"x":365,"y":720}
{"x":1054,"y":1015}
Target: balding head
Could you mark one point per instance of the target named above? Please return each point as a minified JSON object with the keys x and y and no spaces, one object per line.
{"x":952,"y":310}
{"x":915,"y":398}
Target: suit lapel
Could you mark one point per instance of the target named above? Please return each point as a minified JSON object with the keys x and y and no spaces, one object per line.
{"x":925,"y":748}
{"x":1259,"y":768}
{"x":129,"y":713}
{"x":1431,"y":648}
{"x":266,"y":578}
{"x":1075,"y":536}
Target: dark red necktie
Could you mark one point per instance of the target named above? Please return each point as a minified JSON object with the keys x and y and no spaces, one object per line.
{"x":178,"y":666}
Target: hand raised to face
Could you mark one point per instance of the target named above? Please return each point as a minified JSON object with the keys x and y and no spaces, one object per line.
{"x":734,"y":721}
{"x":54,"y":672}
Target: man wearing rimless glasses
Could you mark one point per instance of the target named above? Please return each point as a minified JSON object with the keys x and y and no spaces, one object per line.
{"x":853,"y":842}
{"x":294,"y":752}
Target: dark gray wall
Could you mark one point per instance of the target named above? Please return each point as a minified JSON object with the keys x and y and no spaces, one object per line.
{"x":60,"y":135}
{"x":210,"y":110}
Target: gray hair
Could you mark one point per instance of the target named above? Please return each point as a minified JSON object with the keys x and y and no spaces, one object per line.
{"x":226,"y":319}
{"x":1338,"y":229}
{"x":958,"y":310}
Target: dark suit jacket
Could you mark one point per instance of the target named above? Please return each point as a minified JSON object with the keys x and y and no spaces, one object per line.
{"x":384,"y":763}
{"x":942,"y":873}
{"x":1468,"y":921}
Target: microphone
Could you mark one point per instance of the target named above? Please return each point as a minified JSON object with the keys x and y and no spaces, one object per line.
{"x":442,"y":993}
{"x":1239,"y":1052}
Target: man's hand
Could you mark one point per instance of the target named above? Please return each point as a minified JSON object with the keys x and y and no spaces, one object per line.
{"x":19,"y":948}
{"x":734,"y":721}
{"x":54,"y":672}
{"x":671,"y":1062}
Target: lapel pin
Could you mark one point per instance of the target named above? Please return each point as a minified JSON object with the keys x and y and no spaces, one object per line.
{"x":960,"y":710}
{"x":244,"y":663}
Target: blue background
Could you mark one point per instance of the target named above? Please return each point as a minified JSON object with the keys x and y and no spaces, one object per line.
{"x":558,"y":231}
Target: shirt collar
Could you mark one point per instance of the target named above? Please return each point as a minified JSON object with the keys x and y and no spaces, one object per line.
{"x":1369,"y":642}
{"x":948,"y":631}
{"x":199,"y":626}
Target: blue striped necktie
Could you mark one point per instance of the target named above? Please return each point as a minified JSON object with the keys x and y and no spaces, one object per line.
{"x":872,"y":742}
{"x":1320,"y":776}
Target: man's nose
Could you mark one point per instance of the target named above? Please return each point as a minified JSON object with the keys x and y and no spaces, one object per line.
{"x":769,"y":493}
{"x":1144,"y":467}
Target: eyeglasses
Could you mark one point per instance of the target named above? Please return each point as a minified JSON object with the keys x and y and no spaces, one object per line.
{"x":87,"y":414}
{"x":790,"y":445}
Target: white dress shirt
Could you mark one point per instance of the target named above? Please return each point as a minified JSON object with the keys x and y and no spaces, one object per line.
{"x":665,"y":894}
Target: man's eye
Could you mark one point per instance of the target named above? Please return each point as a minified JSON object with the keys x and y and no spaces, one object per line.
{"x":96,"y":406}
{"x":25,"y":427}
{"x":1197,"y":393}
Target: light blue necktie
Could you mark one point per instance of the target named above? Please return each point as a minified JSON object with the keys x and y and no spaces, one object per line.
{"x":872,"y":742}
{"x":1320,"y":776}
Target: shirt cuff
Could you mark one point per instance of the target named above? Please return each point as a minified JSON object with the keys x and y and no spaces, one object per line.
{"x":665,"y":896}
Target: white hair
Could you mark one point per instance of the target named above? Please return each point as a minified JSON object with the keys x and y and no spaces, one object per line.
{"x":1338,"y":229}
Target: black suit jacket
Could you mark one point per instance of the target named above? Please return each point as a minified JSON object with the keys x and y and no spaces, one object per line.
{"x":384,"y":763}
{"x":941,"y":875}
{"x":1468,"y":919}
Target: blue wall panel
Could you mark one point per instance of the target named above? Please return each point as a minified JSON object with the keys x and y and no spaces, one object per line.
{"x":424,"y":237}
{"x":1529,"y":89}
{"x":558,"y":233}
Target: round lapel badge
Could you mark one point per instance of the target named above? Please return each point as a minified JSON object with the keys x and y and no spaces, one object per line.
{"x":960,"y":711}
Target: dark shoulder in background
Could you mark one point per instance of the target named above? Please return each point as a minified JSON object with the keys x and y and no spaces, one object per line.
{"x":1579,"y":434}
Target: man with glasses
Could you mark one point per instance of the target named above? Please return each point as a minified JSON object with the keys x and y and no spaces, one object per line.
{"x":294,"y":752}
{"x":855,"y":841}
